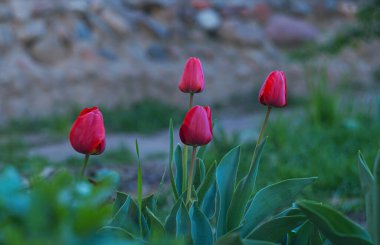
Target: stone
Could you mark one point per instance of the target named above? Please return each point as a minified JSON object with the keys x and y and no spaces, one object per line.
{"x":31,"y":31}
{"x":244,"y":33}
{"x":82,"y":31}
{"x":6,"y":37}
{"x":261,"y":12}
{"x":158,"y":52}
{"x":208,"y":19}
{"x":49,"y":50}
{"x":300,"y":8}
{"x":5,"y":12}
{"x":285,"y":30}
{"x":116,"y":22}
{"x":21,"y":9}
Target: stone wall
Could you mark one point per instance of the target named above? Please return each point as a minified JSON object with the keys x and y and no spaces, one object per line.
{"x":61,"y":53}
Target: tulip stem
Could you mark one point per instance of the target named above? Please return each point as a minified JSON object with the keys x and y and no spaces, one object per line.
{"x":87,"y":156}
{"x":190,"y":179}
{"x":263,"y":127}
{"x":191,"y":100}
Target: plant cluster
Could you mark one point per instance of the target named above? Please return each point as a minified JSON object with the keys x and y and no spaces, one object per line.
{"x":210,"y":204}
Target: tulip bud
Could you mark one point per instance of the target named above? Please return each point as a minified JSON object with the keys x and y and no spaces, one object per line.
{"x":273,"y":91}
{"x":196,"y":128}
{"x":192,"y":80}
{"x":87,"y":134}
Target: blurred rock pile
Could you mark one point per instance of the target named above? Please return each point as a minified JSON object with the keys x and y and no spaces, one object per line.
{"x":61,"y":53}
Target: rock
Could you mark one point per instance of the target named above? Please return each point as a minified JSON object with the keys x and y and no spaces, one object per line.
{"x":116,"y":22}
{"x":348,"y":9}
{"x":21,"y":9}
{"x":31,"y":31}
{"x":49,"y":50}
{"x":300,"y":8}
{"x":261,"y":12}
{"x":6,"y":37}
{"x":244,"y":33}
{"x":286,"y":30}
{"x":153,"y":26}
{"x":5,"y":12}
{"x":82,"y":31}
{"x":208,"y":19}
{"x":158,"y":52}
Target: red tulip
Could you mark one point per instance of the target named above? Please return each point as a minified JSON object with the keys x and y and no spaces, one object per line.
{"x":87,"y":134}
{"x":192,"y":80}
{"x":196,"y":128}
{"x":273,"y":91}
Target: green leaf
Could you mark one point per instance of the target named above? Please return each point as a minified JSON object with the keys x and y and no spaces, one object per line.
{"x":209,"y":201}
{"x":171,"y":220}
{"x":270,"y":199}
{"x":376,"y":201}
{"x":226,"y":180}
{"x":157,"y":229}
{"x":367,"y":182}
{"x":207,"y":182}
{"x":201,"y":231}
{"x":306,"y":234}
{"x":120,"y":200}
{"x":235,"y":239}
{"x":333,"y":225}
{"x":275,"y":230}
{"x":178,"y":169}
{"x":202,"y":152}
{"x":171,"y":147}
{"x":199,"y":174}
{"x":139,"y":188}
{"x":183,"y":222}
{"x":244,"y":192}
{"x":127,"y":217}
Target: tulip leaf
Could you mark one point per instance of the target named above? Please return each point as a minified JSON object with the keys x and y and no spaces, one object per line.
{"x":171,"y":148}
{"x":178,"y":169}
{"x":171,"y":220}
{"x":201,"y":231}
{"x":127,"y":216}
{"x":120,"y":200}
{"x":270,"y":199}
{"x":334,"y":225}
{"x":275,"y":230}
{"x":376,"y":200}
{"x":306,"y":234}
{"x":367,"y":182}
{"x":226,"y":179}
{"x":244,"y":191}
{"x":183,"y":222}
{"x":202,"y":152}
{"x":209,"y":201}
{"x":207,"y":182}
{"x":199,"y":174}
{"x":157,"y":229}
{"x":235,"y":239}
{"x":139,"y":187}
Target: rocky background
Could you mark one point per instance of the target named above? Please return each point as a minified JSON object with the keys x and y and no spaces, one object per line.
{"x":62,"y":53}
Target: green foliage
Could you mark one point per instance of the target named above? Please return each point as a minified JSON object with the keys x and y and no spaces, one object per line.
{"x":119,"y":119}
{"x":337,"y":228}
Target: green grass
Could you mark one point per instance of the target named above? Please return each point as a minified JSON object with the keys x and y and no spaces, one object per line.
{"x":297,"y":148}
{"x":143,"y":117}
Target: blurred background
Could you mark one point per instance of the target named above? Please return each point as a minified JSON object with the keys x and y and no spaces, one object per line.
{"x":127,"y":56}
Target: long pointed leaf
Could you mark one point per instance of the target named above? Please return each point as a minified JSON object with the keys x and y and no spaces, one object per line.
{"x":157,"y":229}
{"x":183,"y":222}
{"x":226,"y":181}
{"x":244,"y":192}
{"x":207,"y":182}
{"x":367,"y":182}
{"x":276,"y":229}
{"x":201,"y":231}
{"x":270,"y":199}
{"x":334,"y":226}
{"x":171,"y":148}
{"x":178,"y":169}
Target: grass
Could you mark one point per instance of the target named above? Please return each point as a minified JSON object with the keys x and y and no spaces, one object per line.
{"x":137,"y":118}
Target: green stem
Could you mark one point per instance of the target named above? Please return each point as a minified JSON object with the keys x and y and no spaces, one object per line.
{"x":185,"y":153}
{"x":260,"y":137}
{"x":84,"y":165}
{"x":191,"y":100}
{"x":190,"y":179}
{"x":376,"y":203}
{"x":263,"y":126}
